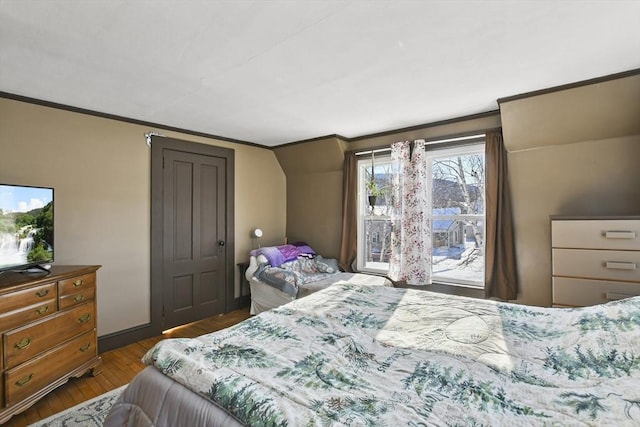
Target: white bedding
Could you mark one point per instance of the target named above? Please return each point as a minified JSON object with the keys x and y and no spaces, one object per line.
{"x":370,"y":355}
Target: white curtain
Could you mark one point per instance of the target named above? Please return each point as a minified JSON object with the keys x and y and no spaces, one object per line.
{"x":411,"y":233}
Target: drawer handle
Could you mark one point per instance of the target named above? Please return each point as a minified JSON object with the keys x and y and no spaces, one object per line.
{"x":618,"y":265}
{"x":78,"y":283}
{"x":85,"y":347}
{"x":42,"y":310}
{"x":612,"y":296}
{"x":23,"y":343}
{"x":85,"y":318}
{"x":620,"y":234}
{"x":24,"y":380}
{"x":79,"y":298}
{"x":42,"y":293}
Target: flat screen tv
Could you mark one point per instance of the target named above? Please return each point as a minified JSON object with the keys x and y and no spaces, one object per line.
{"x":26,"y":227}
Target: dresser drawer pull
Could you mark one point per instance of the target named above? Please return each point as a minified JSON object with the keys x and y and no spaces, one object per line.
{"x":42,"y":293}
{"x":79,"y":298}
{"x":42,"y":310}
{"x":84,"y":319}
{"x":24,"y":380}
{"x":78,"y":283}
{"x":617,"y":265}
{"x":85,"y":347}
{"x":23,"y":343}
{"x":620,"y":234}
{"x":612,"y":296}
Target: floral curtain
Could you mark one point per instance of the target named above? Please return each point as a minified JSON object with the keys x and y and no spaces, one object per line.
{"x":411,"y":232}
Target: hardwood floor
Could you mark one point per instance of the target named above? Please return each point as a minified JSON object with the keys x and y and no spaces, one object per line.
{"x":119,"y":366}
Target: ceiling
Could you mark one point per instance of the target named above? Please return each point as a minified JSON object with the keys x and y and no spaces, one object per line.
{"x":274,"y":72}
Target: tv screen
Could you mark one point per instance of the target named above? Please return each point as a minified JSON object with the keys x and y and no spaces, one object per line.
{"x":26,"y":226}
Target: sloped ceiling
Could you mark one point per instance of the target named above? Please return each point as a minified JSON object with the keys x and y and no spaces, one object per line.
{"x":274,"y":72}
{"x":609,"y":109}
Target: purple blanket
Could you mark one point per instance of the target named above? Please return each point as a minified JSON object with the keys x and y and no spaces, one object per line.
{"x":278,"y":255}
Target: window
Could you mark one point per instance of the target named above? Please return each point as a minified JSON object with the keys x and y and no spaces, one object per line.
{"x":457,"y":217}
{"x":374,"y":224}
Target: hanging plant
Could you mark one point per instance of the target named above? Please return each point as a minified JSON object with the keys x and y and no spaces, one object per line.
{"x":372,"y":185}
{"x":373,"y":191}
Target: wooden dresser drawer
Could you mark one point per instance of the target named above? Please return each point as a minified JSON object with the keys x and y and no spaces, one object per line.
{"x":581,"y":292}
{"x":27,"y":314}
{"x":85,"y":295}
{"x":28,"y":341}
{"x":29,"y":377}
{"x":596,"y":234}
{"x":26,"y":297}
{"x":75,"y":284}
{"x":597,"y":264}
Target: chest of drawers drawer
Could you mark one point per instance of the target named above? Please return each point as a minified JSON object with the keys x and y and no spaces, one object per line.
{"x":85,"y":295}
{"x":31,"y":296}
{"x":21,"y":344}
{"x":596,"y":234}
{"x":27,"y":314}
{"x":581,"y":292}
{"x":76,"y":284}
{"x":29,"y":377}
{"x":597,"y":264}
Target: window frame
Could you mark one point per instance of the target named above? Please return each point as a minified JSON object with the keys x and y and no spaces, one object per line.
{"x":362,"y":165}
{"x":475,"y":146}
{"x":444,"y":152}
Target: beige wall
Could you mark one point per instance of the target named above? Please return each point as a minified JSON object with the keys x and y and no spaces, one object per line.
{"x":100,"y":170}
{"x":571,"y":152}
{"x":314,"y":193}
{"x":592,"y":112}
{"x":583,"y":178}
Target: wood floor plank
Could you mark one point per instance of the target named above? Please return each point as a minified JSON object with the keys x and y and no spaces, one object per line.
{"x":65,"y":396}
{"x":119,"y":366}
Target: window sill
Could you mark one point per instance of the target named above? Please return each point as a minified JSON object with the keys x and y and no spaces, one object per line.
{"x":447,"y":288}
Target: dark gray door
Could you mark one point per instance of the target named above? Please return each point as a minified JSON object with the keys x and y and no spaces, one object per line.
{"x":194,"y":248}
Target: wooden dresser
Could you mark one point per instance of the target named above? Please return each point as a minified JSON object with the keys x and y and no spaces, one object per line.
{"x":595,"y":259}
{"x":48,"y":333}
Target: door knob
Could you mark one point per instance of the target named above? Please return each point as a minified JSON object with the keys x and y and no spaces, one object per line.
{"x":220,"y":242}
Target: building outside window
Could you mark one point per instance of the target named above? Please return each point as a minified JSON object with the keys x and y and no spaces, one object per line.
{"x":457,"y":214}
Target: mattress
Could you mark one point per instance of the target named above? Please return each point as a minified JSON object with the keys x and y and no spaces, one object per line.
{"x":371,"y":355}
{"x":153,"y":399}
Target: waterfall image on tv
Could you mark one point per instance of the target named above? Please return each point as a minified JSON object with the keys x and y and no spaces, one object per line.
{"x":26,"y":226}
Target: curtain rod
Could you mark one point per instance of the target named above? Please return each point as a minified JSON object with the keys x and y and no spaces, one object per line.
{"x":428,"y":142}
{"x":374,"y":151}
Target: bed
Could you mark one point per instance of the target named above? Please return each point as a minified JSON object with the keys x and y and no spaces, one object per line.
{"x":371,"y":355}
{"x":280,"y":274}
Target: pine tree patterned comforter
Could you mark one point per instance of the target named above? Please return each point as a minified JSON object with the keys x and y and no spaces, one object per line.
{"x":378,"y":356}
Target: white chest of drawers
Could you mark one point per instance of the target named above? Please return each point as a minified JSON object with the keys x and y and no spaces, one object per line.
{"x":595,"y":260}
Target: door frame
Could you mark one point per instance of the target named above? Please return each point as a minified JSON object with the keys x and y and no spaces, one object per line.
{"x":158,"y":145}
